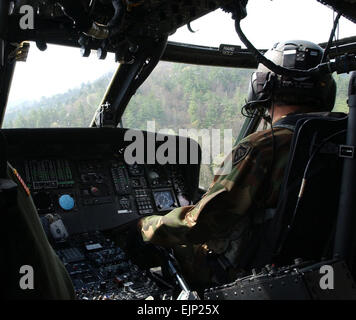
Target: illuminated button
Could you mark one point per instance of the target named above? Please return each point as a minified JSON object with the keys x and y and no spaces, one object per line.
{"x":66,"y":202}
{"x":95,"y":191}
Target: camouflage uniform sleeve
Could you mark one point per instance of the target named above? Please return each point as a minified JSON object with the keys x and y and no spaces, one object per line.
{"x":227,"y":201}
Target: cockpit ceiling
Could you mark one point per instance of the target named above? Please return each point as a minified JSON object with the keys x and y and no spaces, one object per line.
{"x":122,"y":26}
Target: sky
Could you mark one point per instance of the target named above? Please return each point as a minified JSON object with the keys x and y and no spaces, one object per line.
{"x":59,"y":68}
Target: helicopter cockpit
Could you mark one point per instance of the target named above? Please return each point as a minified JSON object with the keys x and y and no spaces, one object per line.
{"x":90,"y":185}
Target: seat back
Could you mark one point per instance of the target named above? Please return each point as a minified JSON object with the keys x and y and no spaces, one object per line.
{"x":305,"y":218}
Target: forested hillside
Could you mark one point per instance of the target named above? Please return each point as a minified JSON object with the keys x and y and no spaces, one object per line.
{"x":175,"y":96}
{"x":74,"y":108}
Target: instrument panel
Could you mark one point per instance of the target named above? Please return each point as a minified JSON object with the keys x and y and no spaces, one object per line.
{"x":87,"y":182}
{"x":98,"y":193}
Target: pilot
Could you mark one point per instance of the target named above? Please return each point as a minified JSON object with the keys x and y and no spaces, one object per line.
{"x":212,"y":240}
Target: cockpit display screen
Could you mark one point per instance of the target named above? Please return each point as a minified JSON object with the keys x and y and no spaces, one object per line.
{"x":164,"y":199}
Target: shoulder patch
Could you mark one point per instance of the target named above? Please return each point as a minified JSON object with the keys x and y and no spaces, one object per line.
{"x":241,"y":152}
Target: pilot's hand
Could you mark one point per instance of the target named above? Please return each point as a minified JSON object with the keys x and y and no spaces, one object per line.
{"x":144,"y":254}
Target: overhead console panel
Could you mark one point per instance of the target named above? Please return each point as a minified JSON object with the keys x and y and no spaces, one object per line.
{"x":117,"y":20}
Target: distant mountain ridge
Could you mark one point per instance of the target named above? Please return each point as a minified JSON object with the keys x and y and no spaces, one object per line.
{"x":175,"y":96}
